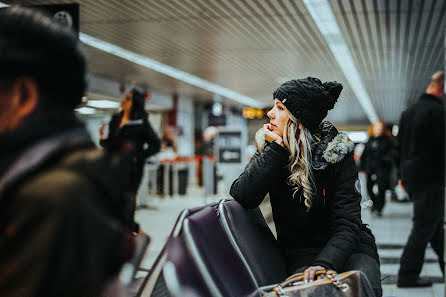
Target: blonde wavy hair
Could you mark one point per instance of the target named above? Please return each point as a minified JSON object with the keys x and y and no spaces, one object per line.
{"x":298,"y":141}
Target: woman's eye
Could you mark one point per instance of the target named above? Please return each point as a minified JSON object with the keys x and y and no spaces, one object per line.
{"x":280,"y":108}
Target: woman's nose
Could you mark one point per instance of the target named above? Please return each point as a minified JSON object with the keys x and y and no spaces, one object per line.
{"x":270,"y":114}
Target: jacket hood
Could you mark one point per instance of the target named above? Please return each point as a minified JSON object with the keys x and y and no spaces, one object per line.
{"x":331,"y":148}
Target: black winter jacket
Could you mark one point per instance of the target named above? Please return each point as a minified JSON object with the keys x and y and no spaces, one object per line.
{"x":421,"y":144}
{"x":332,"y":230}
{"x":378,"y":157}
{"x":137,"y":134}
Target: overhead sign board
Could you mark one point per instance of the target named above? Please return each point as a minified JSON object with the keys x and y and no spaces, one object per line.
{"x":229,"y":146}
{"x":254,"y":113}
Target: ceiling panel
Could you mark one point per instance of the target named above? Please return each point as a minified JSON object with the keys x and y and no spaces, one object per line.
{"x":396,"y":45}
{"x":252,"y":46}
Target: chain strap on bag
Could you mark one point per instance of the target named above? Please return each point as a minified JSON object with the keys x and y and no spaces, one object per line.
{"x":333,"y":277}
{"x":294,"y":279}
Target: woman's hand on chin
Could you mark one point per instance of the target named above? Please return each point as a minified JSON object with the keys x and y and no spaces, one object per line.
{"x":270,"y":136}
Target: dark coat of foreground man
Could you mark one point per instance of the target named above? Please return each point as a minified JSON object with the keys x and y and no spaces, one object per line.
{"x":62,"y":214}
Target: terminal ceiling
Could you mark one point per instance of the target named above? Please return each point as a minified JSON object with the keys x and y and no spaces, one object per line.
{"x":252,"y":46}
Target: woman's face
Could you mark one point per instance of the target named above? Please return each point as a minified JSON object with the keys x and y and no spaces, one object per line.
{"x":278,"y":116}
{"x":378,"y":129}
{"x":126,"y":103}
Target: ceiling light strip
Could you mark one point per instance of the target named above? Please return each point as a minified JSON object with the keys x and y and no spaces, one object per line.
{"x":168,"y":70}
{"x":165,"y":69}
{"x":325,"y":20}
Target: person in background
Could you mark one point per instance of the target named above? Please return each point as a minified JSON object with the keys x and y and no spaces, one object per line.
{"x":131,"y":133}
{"x":61,"y":230}
{"x":377,"y":163}
{"x":421,"y":168}
{"x":169,"y":141}
{"x":307,"y":167}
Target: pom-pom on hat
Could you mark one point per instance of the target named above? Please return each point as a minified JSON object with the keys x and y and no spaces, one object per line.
{"x":308,"y":99}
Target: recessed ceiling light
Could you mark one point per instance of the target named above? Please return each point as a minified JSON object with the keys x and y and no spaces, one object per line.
{"x":103,"y":104}
{"x":86,"y":110}
{"x":357,"y":136}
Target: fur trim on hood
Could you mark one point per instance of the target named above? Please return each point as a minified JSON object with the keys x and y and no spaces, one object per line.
{"x":260,"y":140}
{"x":336,"y":149}
{"x":332,"y":147}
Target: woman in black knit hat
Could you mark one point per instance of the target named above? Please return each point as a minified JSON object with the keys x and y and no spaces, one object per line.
{"x":307,"y":167}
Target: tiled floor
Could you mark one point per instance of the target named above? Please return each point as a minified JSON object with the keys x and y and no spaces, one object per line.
{"x":391,"y":231}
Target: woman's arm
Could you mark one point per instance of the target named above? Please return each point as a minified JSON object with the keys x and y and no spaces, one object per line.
{"x":105,"y":140}
{"x":345,"y":217}
{"x":153,"y":141}
{"x":251,"y":186}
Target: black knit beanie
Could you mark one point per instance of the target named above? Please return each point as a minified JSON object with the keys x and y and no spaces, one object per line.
{"x":308,"y":99}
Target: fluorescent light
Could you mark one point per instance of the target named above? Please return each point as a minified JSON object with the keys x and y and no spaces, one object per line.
{"x":395,"y":130}
{"x":86,"y":110}
{"x":103,"y":104}
{"x":324,"y":18}
{"x":357,"y":136}
{"x":217,"y":109}
{"x":168,"y":70}
{"x":3,"y":5}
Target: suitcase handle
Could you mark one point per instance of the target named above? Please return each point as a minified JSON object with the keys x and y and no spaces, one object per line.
{"x":331,"y":275}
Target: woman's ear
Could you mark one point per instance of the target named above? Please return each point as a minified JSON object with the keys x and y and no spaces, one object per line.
{"x":299,"y":126}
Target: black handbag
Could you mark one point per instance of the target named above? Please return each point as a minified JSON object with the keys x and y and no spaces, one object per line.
{"x":347,"y":284}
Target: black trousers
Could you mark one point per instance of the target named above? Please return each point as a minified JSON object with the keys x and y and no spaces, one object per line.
{"x":428,"y":214}
{"x":378,"y":199}
{"x":369,"y":267}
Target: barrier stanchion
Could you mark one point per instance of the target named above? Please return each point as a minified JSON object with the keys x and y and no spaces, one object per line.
{"x":152,"y":169}
{"x":208,"y":177}
{"x":175,"y":178}
{"x":166,"y":179}
{"x":153,"y":179}
{"x":175,"y":165}
{"x":143,"y":193}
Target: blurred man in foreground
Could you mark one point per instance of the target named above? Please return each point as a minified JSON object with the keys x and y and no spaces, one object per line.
{"x":421,"y":153}
{"x":60,"y":227}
